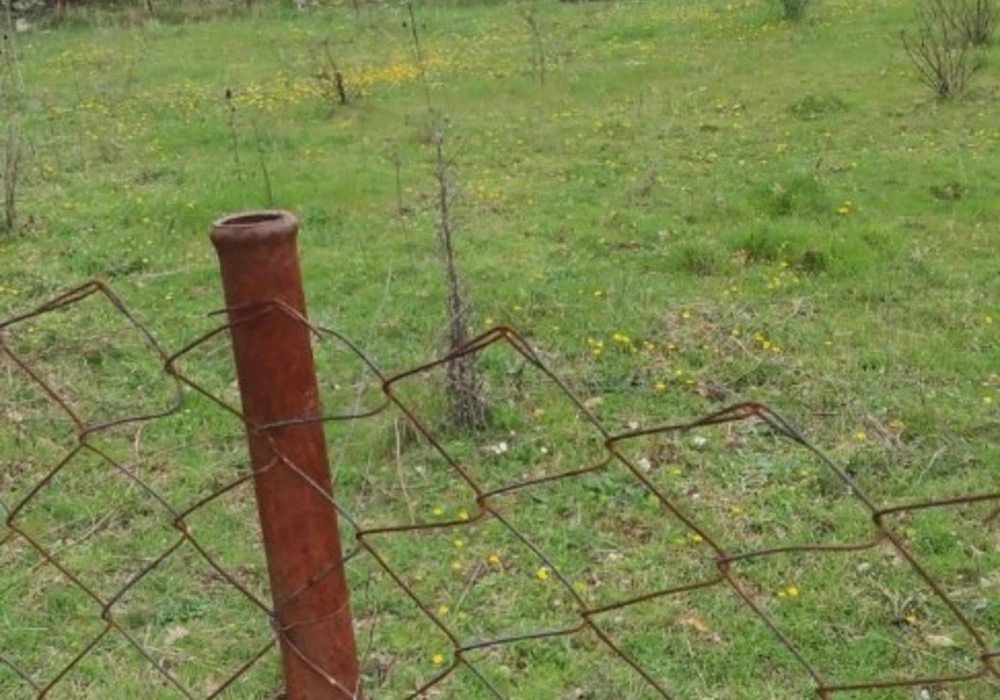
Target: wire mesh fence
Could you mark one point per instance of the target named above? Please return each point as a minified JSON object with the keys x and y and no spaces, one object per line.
{"x":96,"y":458}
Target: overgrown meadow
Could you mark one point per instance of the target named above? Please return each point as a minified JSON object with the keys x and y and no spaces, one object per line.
{"x":683,"y":204}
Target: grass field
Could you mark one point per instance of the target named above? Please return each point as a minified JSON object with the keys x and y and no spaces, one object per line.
{"x":700,"y":204}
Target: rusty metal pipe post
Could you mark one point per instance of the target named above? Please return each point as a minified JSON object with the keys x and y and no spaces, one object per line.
{"x":277,"y":380}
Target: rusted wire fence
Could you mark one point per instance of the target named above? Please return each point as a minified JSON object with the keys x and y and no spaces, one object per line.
{"x":309,"y":606}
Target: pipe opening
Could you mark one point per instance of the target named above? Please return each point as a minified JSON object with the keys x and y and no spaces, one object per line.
{"x":251,"y":228}
{"x":257,"y":217}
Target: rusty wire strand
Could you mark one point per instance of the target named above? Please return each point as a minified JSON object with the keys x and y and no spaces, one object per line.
{"x":487,"y":508}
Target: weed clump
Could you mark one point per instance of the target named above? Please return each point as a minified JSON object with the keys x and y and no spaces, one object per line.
{"x":801,"y":195}
{"x":813,"y":107}
{"x":699,"y":260}
{"x":794,"y":10}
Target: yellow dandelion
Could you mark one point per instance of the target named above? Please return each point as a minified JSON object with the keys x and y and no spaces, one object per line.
{"x":493,"y":559}
{"x":459,"y":543}
{"x":438,"y":511}
{"x":861,"y":436}
{"x":463,"y":514}
{"x":542,"y":574}
{"x":660,"y":386}
{"x":456,"y":565}
{"x":443,"y":610}
{"x":437,"y":659}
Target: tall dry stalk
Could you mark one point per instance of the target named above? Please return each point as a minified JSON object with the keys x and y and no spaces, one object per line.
{"x":464,"y":383}
{"x":12,"y":164}
{"x":537,"y":45}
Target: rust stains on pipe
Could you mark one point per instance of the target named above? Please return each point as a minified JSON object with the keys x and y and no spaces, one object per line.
{"x":277,"y":379}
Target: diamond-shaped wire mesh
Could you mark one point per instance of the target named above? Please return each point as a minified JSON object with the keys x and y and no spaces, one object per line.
{"x":100,"y":532}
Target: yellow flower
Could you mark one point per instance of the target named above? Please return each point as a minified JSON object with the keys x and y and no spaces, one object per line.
{"x":463,"y":514}
{"x":542,"y":574}
{"x":456,"y":565}
{"x":437,"y":659}
{"x":493,"y":559}
{"x":695,"y":537}
{"x":438,"y":511}
{"x":792,"y":592}
{"x":861,"y":436}
{"x":660,"y":386}
{"x":459,"y":543}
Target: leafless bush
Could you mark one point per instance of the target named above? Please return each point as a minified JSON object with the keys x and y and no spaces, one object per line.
{"x":941,"y":50}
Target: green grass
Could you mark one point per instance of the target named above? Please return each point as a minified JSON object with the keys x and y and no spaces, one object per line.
{"x":702,"y":204}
